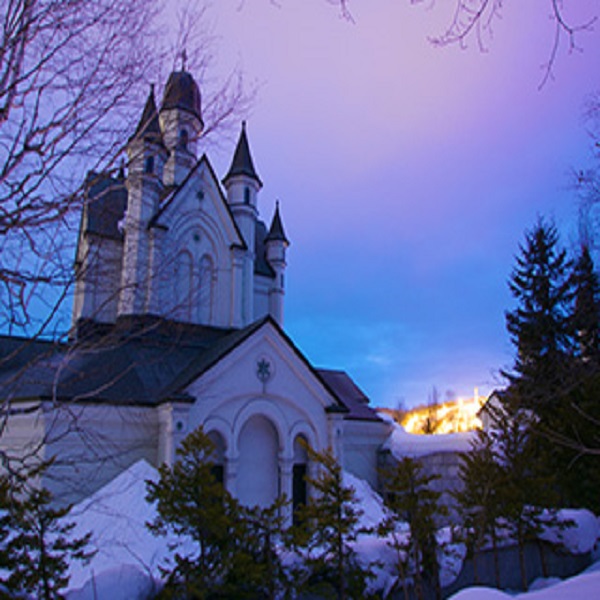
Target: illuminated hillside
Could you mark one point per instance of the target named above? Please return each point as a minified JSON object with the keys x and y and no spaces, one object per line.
{"x":448,"y":417}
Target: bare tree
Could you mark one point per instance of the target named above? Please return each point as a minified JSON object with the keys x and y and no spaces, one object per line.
{"x":475,"y":20}
{"x":72,"y":77}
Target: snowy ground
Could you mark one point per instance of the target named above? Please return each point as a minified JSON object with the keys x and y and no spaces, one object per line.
{"x":126,"y":564}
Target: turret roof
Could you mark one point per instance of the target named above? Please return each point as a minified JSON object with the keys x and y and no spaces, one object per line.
{"x":182,"y":92}
{"x":149,"y":125}
{"x":242,"y":160}
{"x":276,"y":231}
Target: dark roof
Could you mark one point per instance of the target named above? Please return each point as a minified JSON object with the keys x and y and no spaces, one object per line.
{"x":105,"y":205}
{"x":261,"y":265}
{"x":139,"y":360}
{"x":149,"y":126}
{"x":276,"y":232}
{"x":350,"y":395}
{"x":242,"y":160}
{"x":182,"y":92}
{"x":142,"y":360}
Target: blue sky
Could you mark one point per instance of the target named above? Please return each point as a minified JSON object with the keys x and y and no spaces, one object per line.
{"x":407,"y":175}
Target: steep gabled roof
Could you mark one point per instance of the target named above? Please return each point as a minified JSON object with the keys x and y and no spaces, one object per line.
{"x":174,"y":192}
{"x":149,"y":126}
{"x":242,"y":160}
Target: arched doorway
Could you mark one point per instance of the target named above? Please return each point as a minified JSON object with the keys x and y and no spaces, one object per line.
{"x":258,"y":470}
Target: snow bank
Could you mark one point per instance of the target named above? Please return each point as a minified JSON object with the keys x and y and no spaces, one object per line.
{"x":582,"y":587}
{"x":116,"y":515}
{"x":401,"y":444}
{"x":580,"y":537}
{"x":370,"y":502}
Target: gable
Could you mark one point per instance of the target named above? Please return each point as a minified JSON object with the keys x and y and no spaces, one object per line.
{"x":199,"y":202}
{"x":264,"y":362}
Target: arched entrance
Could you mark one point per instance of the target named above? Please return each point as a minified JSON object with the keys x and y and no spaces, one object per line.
{"x":258,"y":467}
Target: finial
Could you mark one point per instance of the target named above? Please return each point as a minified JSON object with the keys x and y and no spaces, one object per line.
{"x":184,"y":58}
{"x":244,"y":124}
{"x":152,"y":88}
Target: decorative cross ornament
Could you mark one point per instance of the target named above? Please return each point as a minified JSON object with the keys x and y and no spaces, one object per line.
{"x":263,"y":370}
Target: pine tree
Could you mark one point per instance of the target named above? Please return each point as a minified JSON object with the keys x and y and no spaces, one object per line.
{"x":526,"y":492}
{"x":586,"y":311}
{"x":326,"y":527}
{"x":191,"y":502}
{"x":37,"y":542}
{"x":410,"y":496}
{"x":236,"y":546}
{"x":479,"y":500}
{"x":539,"y":325}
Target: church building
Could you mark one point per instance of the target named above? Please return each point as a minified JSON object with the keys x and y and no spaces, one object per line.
{"x":177,"y":323}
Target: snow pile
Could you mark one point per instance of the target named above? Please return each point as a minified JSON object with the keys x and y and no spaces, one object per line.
{"x":371,"y":503}
{"x":401,"y":444}
{"x":580,"y":537}
{"x":127,"y":557}
{"x":583,"y":587}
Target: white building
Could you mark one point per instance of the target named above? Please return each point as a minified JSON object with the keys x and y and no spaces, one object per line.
{"x":178,"y":322}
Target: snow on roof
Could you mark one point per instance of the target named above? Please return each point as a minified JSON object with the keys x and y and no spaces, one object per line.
{"x":401,"y":444}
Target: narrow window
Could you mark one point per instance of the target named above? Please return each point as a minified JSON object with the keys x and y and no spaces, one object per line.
{"x":183,"y":139}
{"x":246,"y":195}
{"x":149,"y":166}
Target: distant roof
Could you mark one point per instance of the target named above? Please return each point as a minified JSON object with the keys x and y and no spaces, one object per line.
{"x":276,"y":232}
{"x":242,"y":160}
{"x":350,"y":395}
{"x":182,"y":92}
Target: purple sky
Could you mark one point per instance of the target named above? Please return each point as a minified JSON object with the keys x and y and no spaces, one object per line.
{"x":407,"y":175}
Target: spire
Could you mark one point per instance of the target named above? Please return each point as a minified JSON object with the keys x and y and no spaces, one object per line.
{"x":242,"y":160}
{"x":149,"y":125}
{"x":276,"y":232}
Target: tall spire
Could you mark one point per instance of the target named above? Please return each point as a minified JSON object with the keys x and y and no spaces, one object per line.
{"x":242,"y":160}
{"x":276,"y":231}
{"x":149,"y":125}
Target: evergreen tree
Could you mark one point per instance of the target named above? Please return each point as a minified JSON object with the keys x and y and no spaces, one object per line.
{"x":539,"y":325}
{"x":410,"y":496}
{"x":191,"y":502}
{"x":326,"y":527}
{"x":235,"y":555}
{"x":586,"y":310}
{"x":479,"y":500}
{"x":526,"y":493}
{"x":37,"y":542}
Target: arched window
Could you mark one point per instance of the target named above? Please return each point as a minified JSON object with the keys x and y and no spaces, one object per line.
{"x":218,"y":456}
{"x":182,"y":286}
{"x":205,"y":300}
{"x":246,"y":195}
